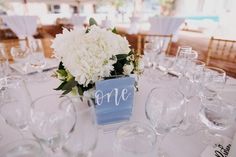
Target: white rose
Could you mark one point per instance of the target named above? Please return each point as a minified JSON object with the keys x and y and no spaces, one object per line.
{"x":128,"y":68}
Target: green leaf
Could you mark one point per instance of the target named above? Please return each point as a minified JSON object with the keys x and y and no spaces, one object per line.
{"x":66,"y":92}
{"x":114,"y":30}
{"x":121,"y":56}
{"x":69,"y":85}
{"x":60,"y":86}
{"x":62,"y":72}
{"x":61,"y":66}
{"x":80,"y":90}
{"x":92,"y":21}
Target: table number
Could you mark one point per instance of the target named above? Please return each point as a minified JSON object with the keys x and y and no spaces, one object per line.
{"x":114,"y":100}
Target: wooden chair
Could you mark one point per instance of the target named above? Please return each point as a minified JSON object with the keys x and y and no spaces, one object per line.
{"x":221,"y":49}
{"x":144,"y":38}
{"x":222,"y":53}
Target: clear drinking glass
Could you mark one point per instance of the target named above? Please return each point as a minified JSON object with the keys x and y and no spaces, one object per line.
{"x":15,"y":102}
{"x":20,"y":55}
{"x":135,"y":140}
{"x":22,"y":148}
{"x":217,"y":114}
{"x":166,"y":62}
{"x":83,"y":140}
{"x":165,"y":109}
{"x":53,"y":119}
{"x":213,"y":81}
{"x":36,"y":58}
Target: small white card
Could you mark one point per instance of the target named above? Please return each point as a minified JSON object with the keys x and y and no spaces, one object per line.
{"x":219,"y":149}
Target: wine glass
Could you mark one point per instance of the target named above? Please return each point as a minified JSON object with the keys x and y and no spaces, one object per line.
{"x":15,"y":102}
{"x":22,"y":148}
{"x":213,"y":82}
{"x":135,"y":139}
{"x":20,"y":55}
{"x":217,"y":115}
{"x":83,"y":140}
{"x":166,"y":62}
{"x":165,"y":109}
{"x":37,"y":59}
{"x":53,"y":119}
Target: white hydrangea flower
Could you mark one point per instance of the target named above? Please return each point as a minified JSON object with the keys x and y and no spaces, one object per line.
{"x":87,"y":56}
{"x":128,"y":68}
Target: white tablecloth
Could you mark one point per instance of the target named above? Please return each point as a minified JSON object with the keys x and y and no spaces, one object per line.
{"x":175,"y":145}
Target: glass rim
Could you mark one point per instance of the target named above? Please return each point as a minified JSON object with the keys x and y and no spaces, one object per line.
{"x":137,"y":123}
{"x":222,"y":71}
{"x":91,"y":107}
{"x":13,"y":144}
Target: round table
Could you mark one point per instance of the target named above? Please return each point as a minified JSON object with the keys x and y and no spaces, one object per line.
{"x":174,"y":144}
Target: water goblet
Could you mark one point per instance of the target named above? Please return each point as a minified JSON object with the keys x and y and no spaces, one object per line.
{"x":216,"y":115}
{"x":15,"y":102}
{"x":20,"y":55}
{"x":135,"y":139}
{"x":166,"y":62}
{"x":22,"y":148}
{"x":213,"y":82}
{"x":53,"y":119}
{"x":165,"y":109}
{"x":83,"y":140}
{"x":37,"y":59}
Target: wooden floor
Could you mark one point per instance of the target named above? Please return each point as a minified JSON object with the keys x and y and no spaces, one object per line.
{"x":198,"y":41}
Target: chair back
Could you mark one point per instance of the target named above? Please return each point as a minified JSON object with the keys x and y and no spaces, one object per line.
{"x":221,"y":49}
{"x":163,"y":40}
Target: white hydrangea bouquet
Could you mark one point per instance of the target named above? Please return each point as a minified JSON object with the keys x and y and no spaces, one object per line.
{"x":91,"y":55}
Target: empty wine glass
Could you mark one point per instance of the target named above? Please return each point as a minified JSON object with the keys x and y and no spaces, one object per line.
{"x":165,"y":109}
{"x":135,"y":139}
{"x":83,"y":140}
{"x":20,"y":55}
{"x":166,"y":62}
{"x":213,"y":82}
{"x":37,"y":59}
{"x":22,"y":148}
{"x":15,"y":102}
{"x":53,"y":119}
{"x":217,"y":115}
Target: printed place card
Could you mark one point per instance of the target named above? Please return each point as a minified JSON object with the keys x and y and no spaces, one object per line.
{"x":114,"y":99}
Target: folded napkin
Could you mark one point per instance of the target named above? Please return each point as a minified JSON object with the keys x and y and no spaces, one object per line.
{"x":232,"y":152}
{"x":225,"y":148}
{"x":22,"y":26}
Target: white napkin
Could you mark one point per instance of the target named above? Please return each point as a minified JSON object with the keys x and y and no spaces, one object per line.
{"x":77,"y":20}
{"x":232,"y":152}
{"x":225,"y":148}
{"x":22,"y":26}
{"x":165,"y":25}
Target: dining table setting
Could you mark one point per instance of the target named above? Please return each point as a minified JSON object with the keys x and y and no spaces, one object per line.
{"x":62,"y":97}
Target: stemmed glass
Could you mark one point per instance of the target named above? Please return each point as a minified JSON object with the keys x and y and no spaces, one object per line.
{"x":217,"y":115}
{"x":20,"y":55}
{"x":15,"y":102}
{"x":213,"y":82}
{"x":22,"y":148}
{"x":165,"y":109}
{"x":53,"y":119}
{"x":135,"y":139}
{"x":166,"y":62}
{"x":83,"y":140}
{"x":189,"y":85}
{"x":152,"y":50}
{"x":37,"y":59}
